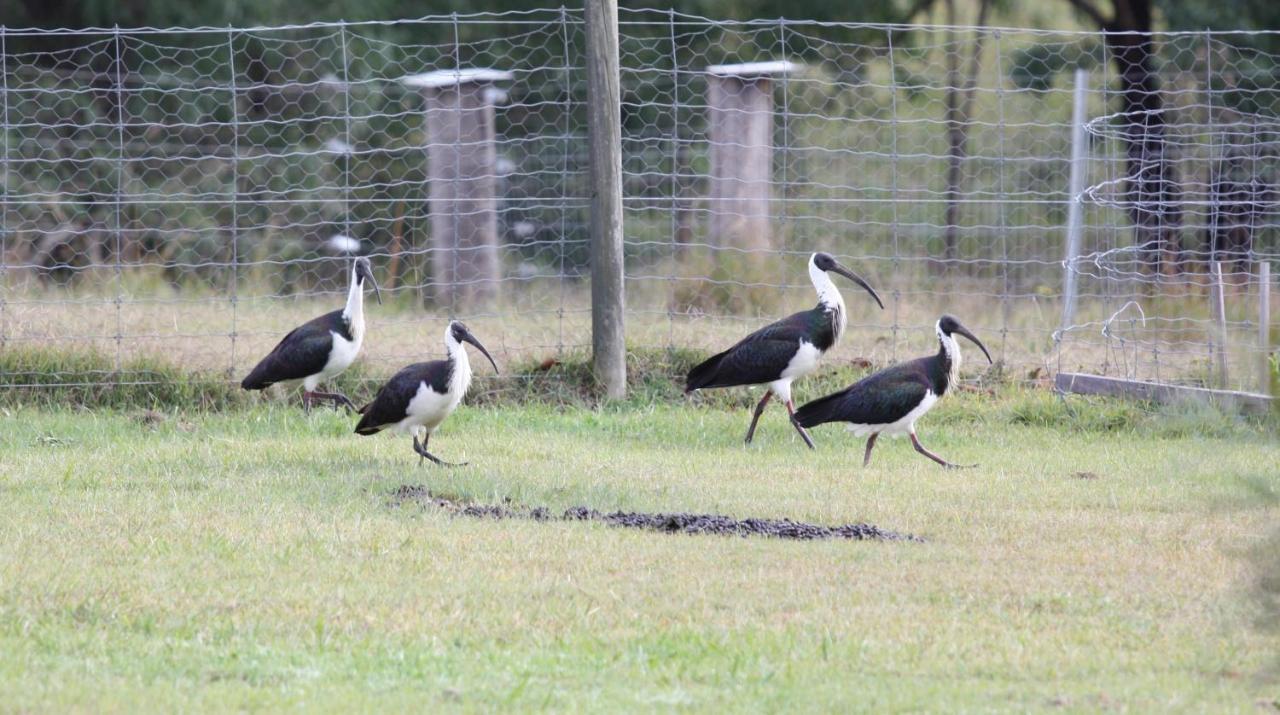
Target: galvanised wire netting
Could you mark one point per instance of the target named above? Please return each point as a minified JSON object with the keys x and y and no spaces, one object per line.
{"x":195,"y":192}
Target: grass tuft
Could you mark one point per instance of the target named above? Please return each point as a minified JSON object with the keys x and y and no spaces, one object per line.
{"x":88,"y":378}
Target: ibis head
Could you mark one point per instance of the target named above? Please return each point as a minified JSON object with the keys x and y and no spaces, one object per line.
{"x":826,"y":262}
{"x":459,"y":333}
{"x":364,"y":272}
{"x":948,"y":325}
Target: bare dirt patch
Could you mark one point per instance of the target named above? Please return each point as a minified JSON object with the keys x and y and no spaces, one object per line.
{"x":670,"y":523}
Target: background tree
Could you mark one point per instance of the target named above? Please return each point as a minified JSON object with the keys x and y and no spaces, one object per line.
{"x":1152,"y":193}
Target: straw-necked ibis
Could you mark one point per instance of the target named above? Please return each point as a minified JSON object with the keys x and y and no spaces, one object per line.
{"x":419,"y":397}
{"x":320,"y":349}
{"x":779,"y":353}
{"x":890,"y":401}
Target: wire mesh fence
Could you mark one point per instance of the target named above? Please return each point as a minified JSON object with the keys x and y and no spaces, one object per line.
{"x":194,"y":193}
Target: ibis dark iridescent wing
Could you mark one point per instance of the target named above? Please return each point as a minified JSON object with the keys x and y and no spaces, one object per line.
{"x":392,"y":402}
{"x":882,"y":398}
{"x":763,"y":355}
{"x":301,"y":353}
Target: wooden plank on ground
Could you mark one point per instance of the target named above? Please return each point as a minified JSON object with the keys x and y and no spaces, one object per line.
{"x":1082,"y":384}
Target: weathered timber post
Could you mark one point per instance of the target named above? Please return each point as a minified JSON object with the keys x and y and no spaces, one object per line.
{"x":462,"y":183}
{"x":740,"y":130}
{"x":604,"y":128}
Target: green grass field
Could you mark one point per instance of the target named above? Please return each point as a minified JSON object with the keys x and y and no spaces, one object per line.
{"x":1101,"y":558}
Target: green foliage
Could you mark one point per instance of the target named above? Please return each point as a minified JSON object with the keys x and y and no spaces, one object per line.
{"x":1274,"y":362}
{"x":1038,"y":66}
{"x":1254,"y":15}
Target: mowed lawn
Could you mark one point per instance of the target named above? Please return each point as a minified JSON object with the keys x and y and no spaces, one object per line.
{"x":255,"y":560}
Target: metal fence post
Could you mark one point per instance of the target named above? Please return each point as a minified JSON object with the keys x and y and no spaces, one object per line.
{"x":1075,"y":217}
{"x":5,"y":182}
{"x":604,"y":128}
{"x":1218,"y":296}
{"x":1264,"y":326}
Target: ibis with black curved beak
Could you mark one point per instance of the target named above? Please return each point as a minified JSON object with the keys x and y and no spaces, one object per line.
{"x":322,"y":348}
{"x":791,"y":348}
{"x":419,"y":397}
{"x":890,"y":401}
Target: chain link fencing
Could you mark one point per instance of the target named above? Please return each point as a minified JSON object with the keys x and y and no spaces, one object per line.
{"x":194,"y":193}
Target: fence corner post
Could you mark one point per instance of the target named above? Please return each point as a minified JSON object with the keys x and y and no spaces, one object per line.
{"x":604,"y":128}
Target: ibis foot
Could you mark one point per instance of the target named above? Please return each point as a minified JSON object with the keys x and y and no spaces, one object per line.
{"x":751,"y":431}
{"x":921,"y":449}
{"x":791,"y":411}
{"x":421,"y":449}
{"x":871,"y":442}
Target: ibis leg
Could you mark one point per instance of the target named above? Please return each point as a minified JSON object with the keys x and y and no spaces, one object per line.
{"x":307,"y":399}
{"x":921,"y":449}
{"x":337,"y":398}
{"x":871,"y":442}
{"x":791,"y":411}
{"x":751,"y":431}
{"x":421,"y":449}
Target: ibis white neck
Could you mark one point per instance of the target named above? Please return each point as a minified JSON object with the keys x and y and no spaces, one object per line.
{"x":951,"y":348}
{"x":354,"y":312}
{"x":460,"y":375}
{"x":454,"y":348}
{"x":828,"y":296}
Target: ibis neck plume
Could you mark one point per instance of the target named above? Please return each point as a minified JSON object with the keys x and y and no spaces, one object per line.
{"x":828,"y":297}
{"x":354,"y":312}
{"x":949,"y":353}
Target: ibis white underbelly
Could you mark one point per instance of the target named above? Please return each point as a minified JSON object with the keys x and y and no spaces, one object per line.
{"x":428,"y":409}
{"x":341,"y":355}
{"x":803,"y":362}
{"x":901,"y":427}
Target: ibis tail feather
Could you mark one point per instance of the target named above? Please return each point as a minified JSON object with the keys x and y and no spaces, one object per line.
{"x":365,"y":426}
{"x":704,"y":374}
{"x":258,"y":378}
{"x":819,"y":411}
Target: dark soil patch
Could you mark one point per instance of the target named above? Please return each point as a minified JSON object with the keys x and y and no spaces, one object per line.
{"x":668,"y":523}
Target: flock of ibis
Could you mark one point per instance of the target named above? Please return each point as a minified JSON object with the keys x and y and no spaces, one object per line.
{"x":418,"y":398}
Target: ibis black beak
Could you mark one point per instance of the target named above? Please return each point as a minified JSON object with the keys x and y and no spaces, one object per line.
{"x":362,"y":268}
{"x":468,"y":337}
{"x":858,"y":279}
{"x":965,"y":332}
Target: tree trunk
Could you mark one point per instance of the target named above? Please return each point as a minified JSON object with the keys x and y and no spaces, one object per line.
{"x":1152,"y":193}
{"x":959,"y":110}
{"x":955,"y":140}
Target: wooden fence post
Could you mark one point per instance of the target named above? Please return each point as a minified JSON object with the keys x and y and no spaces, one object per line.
{"x":604,"y":129}
{"x":461,"y":157}
{"x":740,"y":131}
